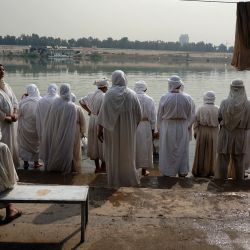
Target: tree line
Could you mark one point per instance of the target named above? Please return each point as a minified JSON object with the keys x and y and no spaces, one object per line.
{"x":123,"y":43}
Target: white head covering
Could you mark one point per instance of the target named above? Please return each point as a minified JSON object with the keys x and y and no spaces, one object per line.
{"x":114,"y":98}
{"x":237,"y":100}
{"x":33,"y":91}
{"x":73,"y":97}
{"x":65,"y":91}
{"x":104,"y":82}
{"x":140,"y":87}
{"x":52,"y":89}
{"x":119,"y":78}
{"x":174,"y":83}
{"x":209,"y":97}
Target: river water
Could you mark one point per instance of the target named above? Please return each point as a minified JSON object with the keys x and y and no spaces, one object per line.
{"x":197,"y":77}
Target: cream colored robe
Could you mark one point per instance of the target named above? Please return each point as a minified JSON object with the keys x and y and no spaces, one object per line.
{"x":206,"y":128}
{"x":8,"y":102}
{"x":27,"y":134}
{"x":8,"y":175}
{"x":144,"y":140}
{"x":80,"y":130}
{"x":120,"y":119}
{"x":173,"y":120}
{"x":94,"y":102}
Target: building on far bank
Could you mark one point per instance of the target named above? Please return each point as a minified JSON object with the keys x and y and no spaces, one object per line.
{"x":183,"y":39}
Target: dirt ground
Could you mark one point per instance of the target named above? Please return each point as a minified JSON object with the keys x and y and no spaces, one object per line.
{"x":163,"y":213}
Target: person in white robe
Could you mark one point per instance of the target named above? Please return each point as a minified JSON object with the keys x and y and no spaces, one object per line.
{"x":43,"y":107}
{"x":206,"y":127}
{"x":8,"y":179}
{"x":60,"y":132}
{"x":234,"y":117}
{"x":28,"y":140}
{"x":118,"y":119}
{"x":8,"y":117}
{"x":92,"y":104}
{"x":80,"y":133}
{"x":145,"y":129}
{"x":173,"y":118}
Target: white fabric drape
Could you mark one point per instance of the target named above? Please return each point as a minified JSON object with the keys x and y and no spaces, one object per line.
{"x":144,"y":144}
{"x":94,"y":102}
{"x":8,"y":102}
{"x":43,"y":107}
{"x":173,"y":120}
{"x":8,"y":175}
{"x":27,"y":134}
{"x":60,"y":133}
{"x":120,"y":132}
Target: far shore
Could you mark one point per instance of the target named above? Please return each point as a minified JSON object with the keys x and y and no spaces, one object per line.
{"x":153,"y":56}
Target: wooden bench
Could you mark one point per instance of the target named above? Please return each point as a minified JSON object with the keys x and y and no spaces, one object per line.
{"x":59,"y":194}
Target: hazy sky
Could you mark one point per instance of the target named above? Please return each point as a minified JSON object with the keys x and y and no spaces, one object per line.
{"x":136,"y":19}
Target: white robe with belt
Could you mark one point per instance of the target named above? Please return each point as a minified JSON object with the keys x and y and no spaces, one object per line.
{"x":94,"y":102}
{"x":144,"y":144}
{"x":173,"y":118}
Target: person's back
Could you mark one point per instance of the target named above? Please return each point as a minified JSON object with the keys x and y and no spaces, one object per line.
{"x":173,"y":120}
{"x":28,"y":140}
{"x":60,"y":132}
{"x":145,"y":129}
{"x":42,"y":110}
{"x":92,"y":104}
{"x":206,"y":133}
{"x":234,"y":117}
{"x":119,"y":116}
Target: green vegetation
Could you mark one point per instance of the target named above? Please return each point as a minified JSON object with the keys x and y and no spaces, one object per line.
{"x":123,"y":43}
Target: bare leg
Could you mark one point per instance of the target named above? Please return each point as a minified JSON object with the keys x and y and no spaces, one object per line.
{"x":26,"y":165}
{"x":11,"y":213}
{"x":144,"y":172}
{"x":97,"y":166}
{"x":37,"y":164}
{"x":103,"y":166}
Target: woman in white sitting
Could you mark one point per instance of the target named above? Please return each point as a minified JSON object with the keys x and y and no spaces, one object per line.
{"x":8,"y":178}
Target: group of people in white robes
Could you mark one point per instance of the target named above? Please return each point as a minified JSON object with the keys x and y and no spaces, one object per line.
{"x":49,"y":128}
{"x":122,"y":126}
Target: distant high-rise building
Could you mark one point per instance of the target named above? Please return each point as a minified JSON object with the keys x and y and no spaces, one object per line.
{"x":184,"y":39}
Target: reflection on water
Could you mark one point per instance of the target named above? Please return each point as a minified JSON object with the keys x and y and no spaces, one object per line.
{"x":198,"y":77}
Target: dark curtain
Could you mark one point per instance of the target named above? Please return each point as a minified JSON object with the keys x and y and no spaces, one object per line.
{"x":241,"y":54}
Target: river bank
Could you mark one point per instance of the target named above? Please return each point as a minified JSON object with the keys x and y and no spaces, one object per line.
{"x":119,"y":55}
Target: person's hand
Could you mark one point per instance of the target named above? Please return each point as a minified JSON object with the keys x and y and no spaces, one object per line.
{"x":14,"y":117}
{"x":24,"y":95}
{"x":156,"y":135}
{"x":8,"y":119}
